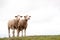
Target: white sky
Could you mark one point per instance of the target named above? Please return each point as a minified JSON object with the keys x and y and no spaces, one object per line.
{"x":45,"y":15}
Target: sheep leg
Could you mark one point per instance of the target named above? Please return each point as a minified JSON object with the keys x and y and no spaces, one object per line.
{"x":17,"y":33}
{"x":13,"y":32}
{"x":9,"y":32}
{"x":24,"y":32}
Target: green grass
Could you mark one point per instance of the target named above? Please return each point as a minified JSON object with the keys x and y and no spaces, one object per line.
{"x":49,"y":37}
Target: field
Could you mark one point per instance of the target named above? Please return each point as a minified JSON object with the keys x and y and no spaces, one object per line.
{"x":48,"y":37}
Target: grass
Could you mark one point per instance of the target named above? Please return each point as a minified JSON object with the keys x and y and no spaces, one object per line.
{"x":48,"y":37}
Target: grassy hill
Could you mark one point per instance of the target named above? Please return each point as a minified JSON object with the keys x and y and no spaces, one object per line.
{"x":49,"y":37}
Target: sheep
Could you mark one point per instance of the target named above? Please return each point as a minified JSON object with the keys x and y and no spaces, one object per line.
{"x":13,"y":24}
{"x":22,"y":25}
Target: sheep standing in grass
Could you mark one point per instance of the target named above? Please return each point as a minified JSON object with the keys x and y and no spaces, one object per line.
{"x":22,"y":25}
{"x":13,"y":24}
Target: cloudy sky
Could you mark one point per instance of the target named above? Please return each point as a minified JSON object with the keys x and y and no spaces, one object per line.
{"x":45,"y":16}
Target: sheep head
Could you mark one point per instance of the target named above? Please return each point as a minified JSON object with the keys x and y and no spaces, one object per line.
{"x":27,"y":17}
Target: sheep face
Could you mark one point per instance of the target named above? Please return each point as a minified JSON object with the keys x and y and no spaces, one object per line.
{"x":18,"y":17}
{"x":27,"y":17}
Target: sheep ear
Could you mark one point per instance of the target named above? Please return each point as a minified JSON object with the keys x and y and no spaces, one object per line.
{"x":24,"y":16}
{"x":29,"y":16}
{"x":21,"y":16}
{"x":15,"y":16}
